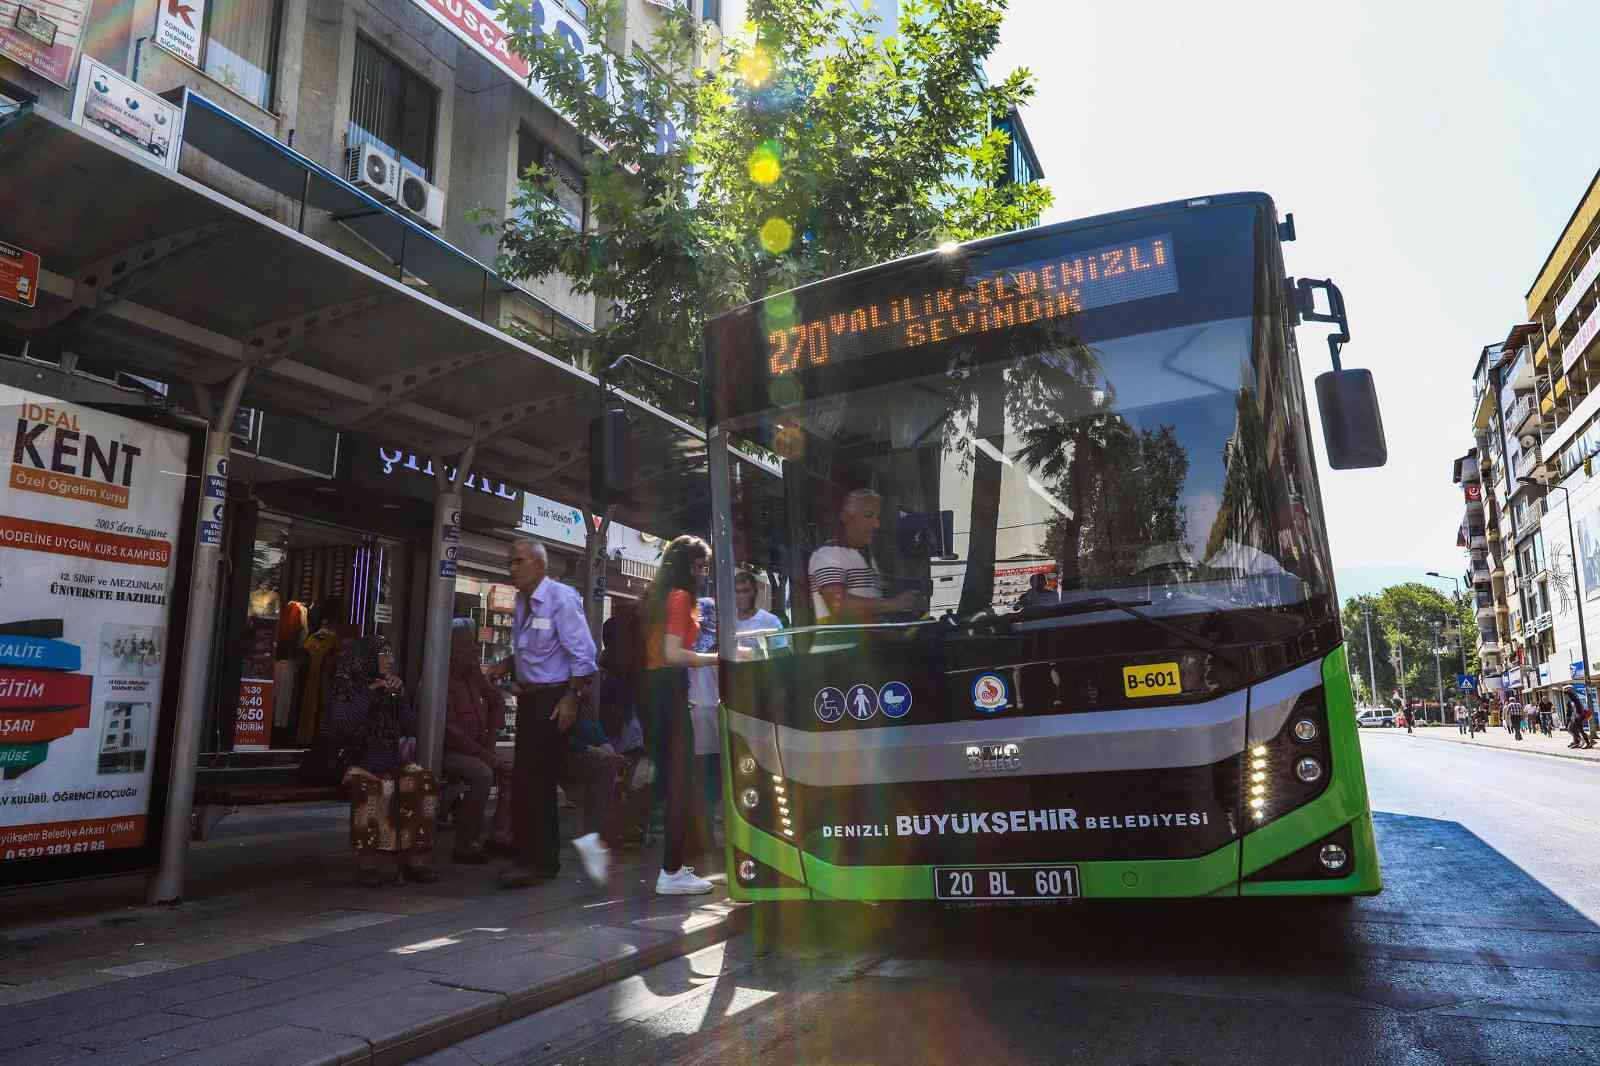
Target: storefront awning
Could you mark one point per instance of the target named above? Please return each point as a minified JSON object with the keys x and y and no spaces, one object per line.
{"x":154,"y":272}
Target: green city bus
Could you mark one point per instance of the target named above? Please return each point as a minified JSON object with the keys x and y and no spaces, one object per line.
{"x":1039,"y":518}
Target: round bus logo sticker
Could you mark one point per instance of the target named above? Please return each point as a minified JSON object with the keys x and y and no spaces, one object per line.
{"x":895,"y":699}
{"x":990,"y":694}
{"x":862,"y":702}
{"x":829,"y":705}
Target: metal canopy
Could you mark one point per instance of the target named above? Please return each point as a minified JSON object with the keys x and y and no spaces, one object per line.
{"x":170,"y":279}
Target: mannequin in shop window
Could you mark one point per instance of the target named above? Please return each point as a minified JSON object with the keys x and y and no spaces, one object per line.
{"x":393,"y":801}
{"x":329,"y":632}
{"x":289,"y":663}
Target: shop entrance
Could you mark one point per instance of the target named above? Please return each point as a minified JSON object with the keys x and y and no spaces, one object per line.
{"x":312,"y":588}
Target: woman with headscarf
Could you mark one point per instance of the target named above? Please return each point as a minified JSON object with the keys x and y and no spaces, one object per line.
{"x":393,"y":801}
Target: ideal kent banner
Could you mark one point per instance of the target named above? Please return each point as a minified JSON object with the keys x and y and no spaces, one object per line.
{"x":91,"y":516}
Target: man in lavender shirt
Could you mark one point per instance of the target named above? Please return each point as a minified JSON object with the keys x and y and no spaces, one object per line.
{"x":553,"y":660}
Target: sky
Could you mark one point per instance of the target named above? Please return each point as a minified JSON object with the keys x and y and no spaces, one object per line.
{"x":1431,"y":153}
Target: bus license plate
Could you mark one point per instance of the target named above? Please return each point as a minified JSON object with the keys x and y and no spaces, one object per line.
{"x":1002,"y":883}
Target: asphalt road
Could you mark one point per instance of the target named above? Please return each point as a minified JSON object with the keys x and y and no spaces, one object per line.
{"x":1484,"y":948}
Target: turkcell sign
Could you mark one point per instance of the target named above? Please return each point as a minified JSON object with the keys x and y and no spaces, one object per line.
{"x":474,"y":22}
{"x":1580,"y":285}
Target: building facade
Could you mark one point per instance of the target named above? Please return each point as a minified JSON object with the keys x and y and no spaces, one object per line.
{"x":1536,"y":423}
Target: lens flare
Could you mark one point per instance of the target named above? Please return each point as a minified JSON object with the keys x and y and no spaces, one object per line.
{"x":777,"y":235}
{"x":763,"y":163}
{"x":755,"y":67}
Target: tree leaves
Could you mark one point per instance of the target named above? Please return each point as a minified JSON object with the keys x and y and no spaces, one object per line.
{"x":881,"y":147}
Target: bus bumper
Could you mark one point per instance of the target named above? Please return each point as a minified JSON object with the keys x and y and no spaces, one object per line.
{"x":781,"y":872}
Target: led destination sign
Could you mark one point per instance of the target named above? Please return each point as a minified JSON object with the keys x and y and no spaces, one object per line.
{"x":1003,"y":300}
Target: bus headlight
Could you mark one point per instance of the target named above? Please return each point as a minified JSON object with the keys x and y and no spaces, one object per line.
{"x":1290,"y":768}
{"x":747,"y":871}
{"x":749,"y":799}
{"x":1308,"y":770}
{"x":1333,"y":856}
{"x":747,"y":765}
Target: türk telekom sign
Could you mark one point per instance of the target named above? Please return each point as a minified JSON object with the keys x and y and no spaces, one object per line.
{"x":473,"y":21}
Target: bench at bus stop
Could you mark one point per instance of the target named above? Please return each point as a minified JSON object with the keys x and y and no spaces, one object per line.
{"x":236,"y":779}
{"x":233,"y":781}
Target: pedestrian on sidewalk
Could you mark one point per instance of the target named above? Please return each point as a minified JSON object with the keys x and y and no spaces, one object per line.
{"x":590,"y":772}
{"x":1514,"y":717}
{"x":475,"y":713}
{"x":1545,"y":714}
{"x":619,"y":656}
{"x":553,"y":662}
{"x":1461,"y":719}
{"x":1577,"y":721}
{"x":393,"y":801}
{"x":670,"y":625}
{"x":1408,"y":716}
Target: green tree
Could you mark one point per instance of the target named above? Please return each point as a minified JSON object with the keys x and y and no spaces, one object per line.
{"x":811,"y":149}
{"x":1412,"y":618}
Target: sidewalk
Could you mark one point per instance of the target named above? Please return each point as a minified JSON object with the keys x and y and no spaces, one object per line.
{"x":1497,"y":737}
{"x":281,"y":959}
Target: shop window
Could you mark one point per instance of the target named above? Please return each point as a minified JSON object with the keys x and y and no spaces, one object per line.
{"x":393,"y":109}
{"x":563,"y":178}
{"x":578,"y":9}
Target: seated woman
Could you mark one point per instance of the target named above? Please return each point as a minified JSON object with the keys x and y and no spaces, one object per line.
{"x":393,"y":801}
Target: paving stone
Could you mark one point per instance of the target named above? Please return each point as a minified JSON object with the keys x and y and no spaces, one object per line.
{"x":520,"y":976}
{"x":46,"y":1053}
{"x":333,"y":979}
{"x":280,"y":1046}
{"x":34,"y":991}
{"x":143,"y":968}
{"x":127,"y":1030}
{"x":608,"y":944}
{"x":425,"y":1012}
{"x":468,"y":955}
{"x":211,"y":1032}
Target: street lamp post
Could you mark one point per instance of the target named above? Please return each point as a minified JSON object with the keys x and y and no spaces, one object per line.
{"x":1577,"y":591}
{"x":1372,"y":671}
{"x":1438,"y":671}
{"x":1460,"y":644}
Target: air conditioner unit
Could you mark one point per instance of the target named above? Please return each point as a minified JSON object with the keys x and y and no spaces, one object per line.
{"x":373,"y":172}
{"x":422,"y":201}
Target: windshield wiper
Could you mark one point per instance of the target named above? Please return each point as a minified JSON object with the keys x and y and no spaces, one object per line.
{"x":1101,"y":603}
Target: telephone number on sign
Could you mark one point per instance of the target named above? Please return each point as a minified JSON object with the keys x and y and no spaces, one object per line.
{"x":46,"y":850}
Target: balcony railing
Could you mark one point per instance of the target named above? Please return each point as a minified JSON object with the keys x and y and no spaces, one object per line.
{"x":1530,"y":518}
{"x":1520,"y":412}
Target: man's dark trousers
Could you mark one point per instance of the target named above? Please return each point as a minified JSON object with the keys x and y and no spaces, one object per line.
{"x":535,"y":826}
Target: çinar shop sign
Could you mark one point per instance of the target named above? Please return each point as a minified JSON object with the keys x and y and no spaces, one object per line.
{"x":90,"y":515}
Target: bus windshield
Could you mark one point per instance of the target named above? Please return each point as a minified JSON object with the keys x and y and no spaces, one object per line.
{"x":1027,"y":429}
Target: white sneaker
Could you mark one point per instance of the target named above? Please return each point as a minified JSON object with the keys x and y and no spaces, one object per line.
{"x":682,"y":883}
{"x":596,"y":857}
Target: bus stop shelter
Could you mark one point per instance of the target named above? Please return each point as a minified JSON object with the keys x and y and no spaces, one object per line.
{"x":170,"y":279}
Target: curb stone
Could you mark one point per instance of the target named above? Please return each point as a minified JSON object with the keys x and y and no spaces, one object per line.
{"x":438,"y":1033}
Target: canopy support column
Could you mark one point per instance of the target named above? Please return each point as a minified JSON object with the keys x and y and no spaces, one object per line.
{"x":434,"y":685}
{"x":199,"y":645}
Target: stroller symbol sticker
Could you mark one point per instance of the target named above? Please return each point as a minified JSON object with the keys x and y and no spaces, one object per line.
{"x":895,"y":699}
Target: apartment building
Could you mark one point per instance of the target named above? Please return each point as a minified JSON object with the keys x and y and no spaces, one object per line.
{"x":1537,"y":429}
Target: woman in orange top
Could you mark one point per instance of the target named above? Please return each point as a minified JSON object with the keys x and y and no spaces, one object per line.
{"x":670,"y":622}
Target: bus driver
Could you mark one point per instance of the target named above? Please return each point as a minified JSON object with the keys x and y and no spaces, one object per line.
{"x":846,"y":587}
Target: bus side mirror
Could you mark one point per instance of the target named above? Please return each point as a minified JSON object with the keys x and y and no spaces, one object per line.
{"x":610,"y":468}
{"x":1352,"y":425}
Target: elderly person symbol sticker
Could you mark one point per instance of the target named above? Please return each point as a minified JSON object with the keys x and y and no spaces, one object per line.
{"x":862,"y":702}
{"x":990,"y":693}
